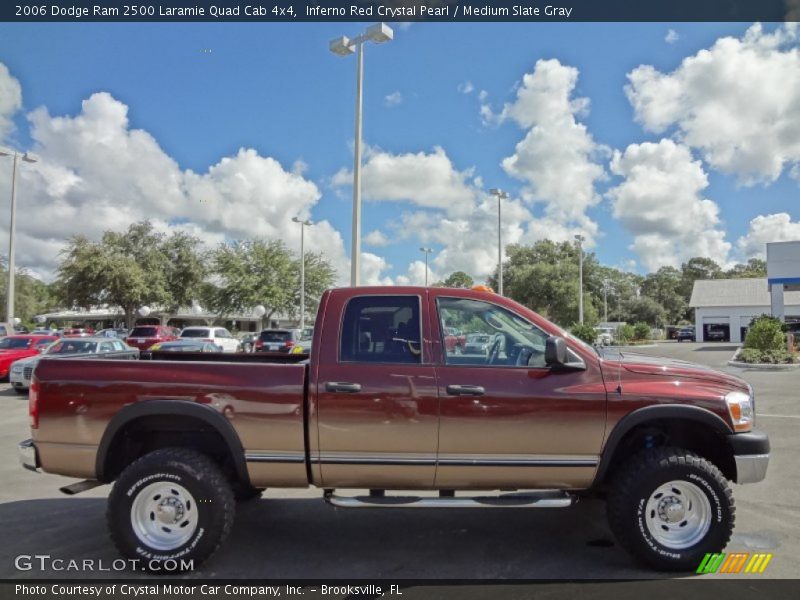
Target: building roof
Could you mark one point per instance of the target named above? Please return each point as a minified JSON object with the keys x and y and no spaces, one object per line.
{"x":736,"y":292}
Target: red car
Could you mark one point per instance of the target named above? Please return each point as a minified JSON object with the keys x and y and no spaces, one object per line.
{"x":78,"y":332}
{"x":15,"y":347}
{"x":454,"y":340}
{"x":144,"y":336}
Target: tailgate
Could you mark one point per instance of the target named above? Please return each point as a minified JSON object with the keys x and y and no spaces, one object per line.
{"x":263,"y":402}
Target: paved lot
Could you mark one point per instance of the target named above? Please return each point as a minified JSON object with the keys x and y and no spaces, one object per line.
{"x":293,"y":534}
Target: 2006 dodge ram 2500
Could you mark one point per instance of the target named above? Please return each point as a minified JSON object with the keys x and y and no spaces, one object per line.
{"x":381,"y":404}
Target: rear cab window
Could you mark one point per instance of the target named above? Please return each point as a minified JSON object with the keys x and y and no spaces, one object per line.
{"x":143,"y":332}
{"x":381,"y":329}
{"x":196,"y":333}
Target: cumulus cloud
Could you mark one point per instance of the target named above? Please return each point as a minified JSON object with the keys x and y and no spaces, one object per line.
{"x":777,"y":227}
{"x":97,"y":173}
{"x":466,"y":87}
{"x":10,"y":99}
{"x":376,"y":238}
{"x":416,"y":275}
{"x":557,"y":158}
{"x":660,"y":201}
{"x":393,"y":99}
{"x":672,"y":36}
{"x":737,"y":102}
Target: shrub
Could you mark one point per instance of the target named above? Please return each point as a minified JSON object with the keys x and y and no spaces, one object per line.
{"x":625,"y":333}
{"x":641,"y":331}
{"x":765,"y":333}
{"x":765,"y":357}
{"x":750,"y":355}
{"x":584,"y":332}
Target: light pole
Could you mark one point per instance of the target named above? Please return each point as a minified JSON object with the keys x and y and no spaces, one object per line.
{"x":11,"y":232}
{"x":605,"y":301}
{"x":303,"y":225}
{"x":343,"y":46}
{"x":580,"y":239}
{"x":426,"y":251}
{"x":501,"y":195}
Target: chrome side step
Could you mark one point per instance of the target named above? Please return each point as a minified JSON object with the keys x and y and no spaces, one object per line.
{"x":535,"y":499}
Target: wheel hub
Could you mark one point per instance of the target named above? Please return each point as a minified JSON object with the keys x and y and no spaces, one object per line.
{"x":170,"y":510}
{"x":671,"y":509}
{"x":678,"y":514}
{"x":164,"y":515}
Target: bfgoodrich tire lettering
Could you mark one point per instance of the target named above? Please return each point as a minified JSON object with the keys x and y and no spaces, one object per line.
{"x":681,"y":489}
{"x":201,"y":494}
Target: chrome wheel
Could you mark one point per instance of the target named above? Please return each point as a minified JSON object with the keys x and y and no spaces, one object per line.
{"x":164,"y":515}
{"x":678,"y":515}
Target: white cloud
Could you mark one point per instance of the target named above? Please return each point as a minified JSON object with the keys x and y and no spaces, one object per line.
{"x":10,"y":99}
{"x":372,"y":270}
{"x":393,"y":99}
{"x":672,"y":36}
{"x":416,"y":275}
{"x":424,"y":179}
{"x":557,"y":158}
{"x":376,"y":238}
{"x":466,"y":87}
{"x":777,"y":227}
{"x":97,"y":173}
{"x":660,"y":202}
{"x":738,"y":102}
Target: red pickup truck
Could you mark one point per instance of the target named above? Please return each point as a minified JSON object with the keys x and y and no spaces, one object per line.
{"x":382,"y":405}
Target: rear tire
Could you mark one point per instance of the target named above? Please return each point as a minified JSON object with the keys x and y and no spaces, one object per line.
{"x":668,"y":508}
{"x":172,"y":504}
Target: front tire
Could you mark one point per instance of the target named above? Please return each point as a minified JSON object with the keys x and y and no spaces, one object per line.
{"x":668,"y":508}
{"x":172,"y":504}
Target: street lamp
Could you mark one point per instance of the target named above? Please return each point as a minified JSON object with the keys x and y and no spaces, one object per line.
{"x":426,"y":251}
{"x":343,"y":46}
{"x":580,"y":239}
{"x":11,"y":232}
{"x":303,"y":225}
{"x":501,"y":195}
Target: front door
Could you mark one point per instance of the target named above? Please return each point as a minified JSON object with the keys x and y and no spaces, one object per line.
{"x":376,"y":396}
{"x":507,"y":420}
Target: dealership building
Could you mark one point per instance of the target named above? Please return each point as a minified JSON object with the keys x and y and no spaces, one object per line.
{"x":724,"y":308}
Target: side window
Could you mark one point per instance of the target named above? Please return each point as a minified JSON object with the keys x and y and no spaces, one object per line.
{"x":382,"y":329}
{"x":43,"y":344}
{"x":475,"y":332}
{"x":106,"y":347}
{"x":221,"y":333}
{"x":119,"y":346}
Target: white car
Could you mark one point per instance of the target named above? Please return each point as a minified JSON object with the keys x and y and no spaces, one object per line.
{"x":605,"y":336}
{"x":216,"y":335}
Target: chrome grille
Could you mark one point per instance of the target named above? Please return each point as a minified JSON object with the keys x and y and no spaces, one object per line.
{"x":27,"y":372}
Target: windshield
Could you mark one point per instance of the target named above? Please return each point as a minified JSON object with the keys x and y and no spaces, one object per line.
{"x":201,"y":332}
{"x":478,"y":338}
{"x":71,"y":347}
{"x":275,"y":336}
{"x":144,"y":332}
{"x":14,"y":343}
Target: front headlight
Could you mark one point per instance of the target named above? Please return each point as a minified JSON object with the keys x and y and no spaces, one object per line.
{"x":740,"y":406}
{"x":16,"y":369}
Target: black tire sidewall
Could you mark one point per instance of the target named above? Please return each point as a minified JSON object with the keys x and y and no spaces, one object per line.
{"x":719,"y":528}
{"x":209,"y":524}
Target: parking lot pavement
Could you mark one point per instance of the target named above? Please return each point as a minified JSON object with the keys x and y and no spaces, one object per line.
{"x":293,"y":534}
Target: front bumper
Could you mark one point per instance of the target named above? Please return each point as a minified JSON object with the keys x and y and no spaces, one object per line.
{"x":751,"y":454}
{"x":18,"y":380}
{"x":28,"y":456}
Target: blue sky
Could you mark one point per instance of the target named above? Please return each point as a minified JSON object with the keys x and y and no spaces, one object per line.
{"x":203,"y":91}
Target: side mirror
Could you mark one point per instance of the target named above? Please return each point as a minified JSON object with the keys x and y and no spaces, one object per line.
{"x":555,"y":351}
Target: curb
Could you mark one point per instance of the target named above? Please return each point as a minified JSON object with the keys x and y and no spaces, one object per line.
{"x":760,"y":366}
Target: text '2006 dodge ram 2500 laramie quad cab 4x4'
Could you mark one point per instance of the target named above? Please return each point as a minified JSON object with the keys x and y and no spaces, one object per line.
{"x":381,"y":404}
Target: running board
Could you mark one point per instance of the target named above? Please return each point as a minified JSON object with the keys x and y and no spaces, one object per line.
{"x":543,"y":499}
{"x":81,"y":486}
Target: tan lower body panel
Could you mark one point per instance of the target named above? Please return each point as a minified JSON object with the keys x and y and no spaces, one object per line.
{"x":72,"y":460}
{"x":486,"y":478}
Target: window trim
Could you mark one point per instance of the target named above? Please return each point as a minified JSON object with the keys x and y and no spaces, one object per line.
{"x":340,"y":360}
{"x":482,"y":366}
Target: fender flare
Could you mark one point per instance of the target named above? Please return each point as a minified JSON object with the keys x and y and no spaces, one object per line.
{"x":181,"y":408}
{"x":655,"y":413}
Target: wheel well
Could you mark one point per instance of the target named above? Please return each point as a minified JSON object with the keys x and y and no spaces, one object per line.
{"x":702,"y":439}
{"x":147,"y":433}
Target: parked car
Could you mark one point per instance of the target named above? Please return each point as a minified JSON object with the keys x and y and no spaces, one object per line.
{"x":15,"y":347}
{"x":186,"y":345}
{"x":248,"y":341}
{"x":477,"y":343}
{"x":605,"y":336}
{"x":44,"y":331}
{"x":78,"y":332}
{"x":454,"y":340}
{"x":685,"y":334}
{"x":113,"y":332}
{"x":144,"y":336}
{"x":3,"y":331}
{"x":302,"y":347}
{"x":715,"y":335}
{"x":216,"y":335}
{"x":659,"y":439}
{"x":22,"y":370}
{"x":277,"y":340}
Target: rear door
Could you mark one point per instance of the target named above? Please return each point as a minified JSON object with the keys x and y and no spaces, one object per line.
{"x":507,"y":420}
{"x":376,"y":403}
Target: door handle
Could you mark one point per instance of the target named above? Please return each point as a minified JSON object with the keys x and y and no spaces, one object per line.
{"x":341,"y":386}
{"x":465,"y":390}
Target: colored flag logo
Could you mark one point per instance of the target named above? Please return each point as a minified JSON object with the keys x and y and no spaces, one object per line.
{"x":735,"y":562}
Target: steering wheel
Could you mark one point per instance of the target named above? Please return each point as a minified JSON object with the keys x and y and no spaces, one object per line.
{"x":494,"y":351}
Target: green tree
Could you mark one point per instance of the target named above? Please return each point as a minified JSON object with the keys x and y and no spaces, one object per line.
{"x":664,"y":287}
{"x":130,"y":269}
{"x":647,"y":310}
{"x":641,"y":331}
{"x":755,"y":267}
{"x":31,"y":295}
{"x":457,"y":279}
{"x":697,"y":268}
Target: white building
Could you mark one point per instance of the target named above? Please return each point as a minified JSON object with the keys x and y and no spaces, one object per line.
{"x":728,"y":305}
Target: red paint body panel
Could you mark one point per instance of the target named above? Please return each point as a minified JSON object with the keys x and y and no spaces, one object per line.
{"x":401,"y":427}
{"x":8,"y":357}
